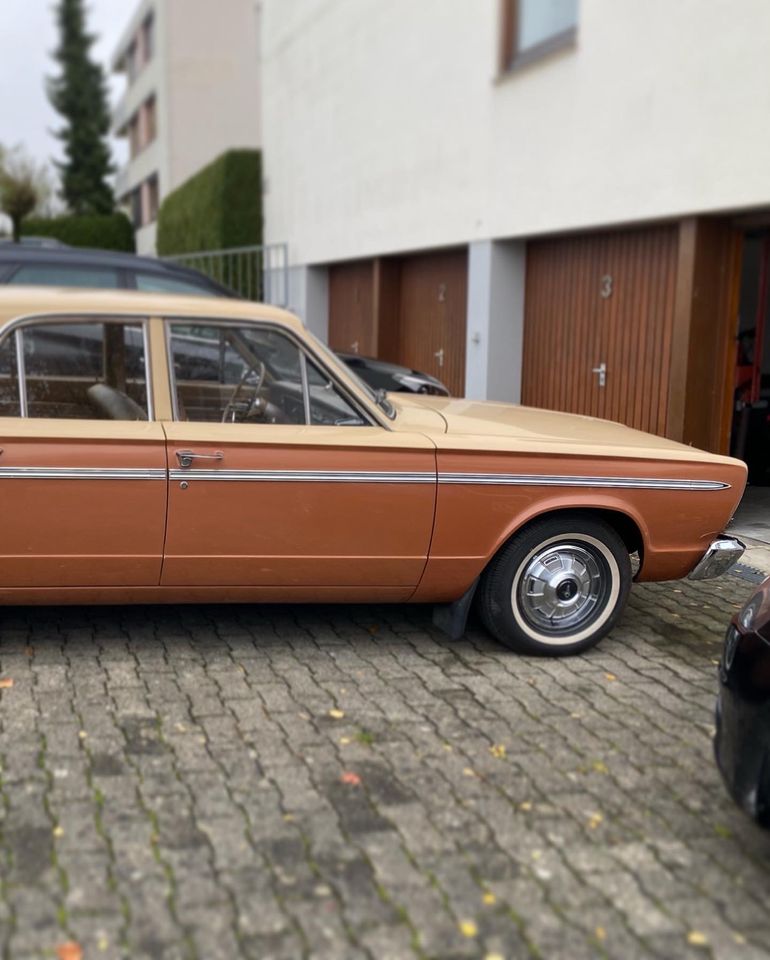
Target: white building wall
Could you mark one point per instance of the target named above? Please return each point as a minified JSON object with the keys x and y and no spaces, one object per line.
{"x":386,"y":128}
{"x":205,"y":75}
{"x":213,"y":81}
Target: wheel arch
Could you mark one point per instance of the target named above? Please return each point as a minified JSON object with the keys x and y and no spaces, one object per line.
{"x":629,"y":527}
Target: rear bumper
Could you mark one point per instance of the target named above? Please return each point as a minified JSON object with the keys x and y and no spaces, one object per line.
{"x":720,"y":556}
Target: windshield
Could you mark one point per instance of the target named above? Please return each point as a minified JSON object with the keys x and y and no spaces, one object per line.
{"x":376,"y":396}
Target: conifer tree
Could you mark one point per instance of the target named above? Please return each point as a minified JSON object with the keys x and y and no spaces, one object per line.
{"x":79,"y":94}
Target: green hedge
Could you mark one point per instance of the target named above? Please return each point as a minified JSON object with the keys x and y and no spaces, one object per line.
{"x":220,"y":207}
{"x":111,"y":231}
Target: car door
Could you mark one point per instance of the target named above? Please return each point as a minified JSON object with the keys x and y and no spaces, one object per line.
{"x":82,"y":494}
{"x":279,"y":478}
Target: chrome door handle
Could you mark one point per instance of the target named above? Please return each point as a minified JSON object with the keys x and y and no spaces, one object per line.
{"x":602,"y":371}
{"x":186,"y":457}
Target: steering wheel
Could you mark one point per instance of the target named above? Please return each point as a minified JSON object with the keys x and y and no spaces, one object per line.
{"x":230,"y":406}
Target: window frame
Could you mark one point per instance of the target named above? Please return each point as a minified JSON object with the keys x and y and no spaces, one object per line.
{"x":510,"y":57}
{"x":304,"y":353}
{"x":17,"y":327}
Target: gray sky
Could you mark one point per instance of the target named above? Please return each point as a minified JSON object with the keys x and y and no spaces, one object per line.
{"x":27,"y":37}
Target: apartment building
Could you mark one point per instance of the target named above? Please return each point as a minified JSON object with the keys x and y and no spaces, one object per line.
{"x":192,"y":92}
{"x":565,"y":204}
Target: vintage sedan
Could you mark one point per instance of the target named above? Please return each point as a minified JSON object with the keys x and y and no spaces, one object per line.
{"x":184,"y":449}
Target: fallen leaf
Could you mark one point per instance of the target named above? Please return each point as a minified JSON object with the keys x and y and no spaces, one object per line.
{"x":103,"y":942}
{"x":610,"y":676}
{"x":448,"y":747}
{"x":58,"y":831}
{"x":525,"y":805}
{"x":600,"y":767}
{"x":494,"y":956}
{"x":489,"y":898}
{"x":595,"y":820}
{"x":82,"y":734}
{"x":350,"y":778}
{"x":697,"y":939}
{"x":739,"y":938}
{"x":336,"y":714}
{"x":498,"y":750}
{"x":6,"y":683}
{"x":69,"y":951}
{"x":468,"y":772}
{"x":600,"y":933}
{"x":345,"y":741}
{"x":288,"y":817}
{"x":468,"y":928}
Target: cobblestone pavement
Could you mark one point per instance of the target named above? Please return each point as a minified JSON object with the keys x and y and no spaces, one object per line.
{"x":341,"y":782}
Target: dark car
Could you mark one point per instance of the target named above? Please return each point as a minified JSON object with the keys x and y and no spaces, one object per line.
{"x":390,"y":376}
{"x":742,"y":740}
{"x":27,"y":265}
{"x":104,"y":269}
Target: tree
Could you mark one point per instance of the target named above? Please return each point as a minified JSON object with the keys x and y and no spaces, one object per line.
{"x":25,"y":187}
{"x":79,"y":94}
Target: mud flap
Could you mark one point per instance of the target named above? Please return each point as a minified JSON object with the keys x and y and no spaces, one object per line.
{"x":451,"y":618}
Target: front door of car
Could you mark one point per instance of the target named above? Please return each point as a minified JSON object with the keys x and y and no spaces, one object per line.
{"x":278,"y":478}
{"x":83,"y":477}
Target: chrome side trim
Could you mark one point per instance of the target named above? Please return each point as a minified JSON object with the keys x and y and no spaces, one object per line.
{"x":302,"y":476}
{"x":82,"y":473}
{"x":21,"y":372}
{"x":351,"y":476}
{"x":622,"y":483}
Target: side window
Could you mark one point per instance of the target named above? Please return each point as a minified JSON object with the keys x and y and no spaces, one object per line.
{"x":327,"y":405}
{"x":9,"y":380}
{"x":249,"y":374}
{"x":57,"y":275}
{"x":84,"y":371}
{"x":157,"y":283}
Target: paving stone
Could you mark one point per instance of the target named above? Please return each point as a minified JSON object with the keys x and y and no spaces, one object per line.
{"x":174,"y":785}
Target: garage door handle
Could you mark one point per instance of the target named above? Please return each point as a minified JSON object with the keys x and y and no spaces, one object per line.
{"x":186,"y":457}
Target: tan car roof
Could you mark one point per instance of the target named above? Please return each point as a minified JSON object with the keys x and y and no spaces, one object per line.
{"x":17,"y":302}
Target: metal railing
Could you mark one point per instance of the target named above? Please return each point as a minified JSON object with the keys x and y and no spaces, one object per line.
{"x":256,"y":273}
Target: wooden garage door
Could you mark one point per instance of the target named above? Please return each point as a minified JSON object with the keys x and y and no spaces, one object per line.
{"x":351,"y":308}
{"x":601,"y":299}
{"x":432,"y":316}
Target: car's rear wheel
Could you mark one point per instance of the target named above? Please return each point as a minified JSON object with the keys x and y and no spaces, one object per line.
{"x":557,"y":587}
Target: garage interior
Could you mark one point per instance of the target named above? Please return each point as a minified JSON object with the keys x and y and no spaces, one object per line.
{"x":750,"y":435}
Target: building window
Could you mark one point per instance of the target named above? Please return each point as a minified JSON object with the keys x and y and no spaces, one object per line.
{"x":148,"y":38}
{"x":132,"y":66}
{"x":534,"y":28}
{"x":152,"y":199}
{"x":150,"y":122}
{"x":135,"y":199}
{"x":134,"y":138}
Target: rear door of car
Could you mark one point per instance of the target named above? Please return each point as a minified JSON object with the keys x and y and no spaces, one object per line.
{"x":278,"y":478}
{"x":82,"y":496}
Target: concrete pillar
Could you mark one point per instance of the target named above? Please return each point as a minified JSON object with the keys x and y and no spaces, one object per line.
{"x":496,"y":280}
{"x":309,"y":298}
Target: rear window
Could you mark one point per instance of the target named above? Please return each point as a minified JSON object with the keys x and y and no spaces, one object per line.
{"x":61,"y":275}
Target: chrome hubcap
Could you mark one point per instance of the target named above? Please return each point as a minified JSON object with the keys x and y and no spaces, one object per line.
{"x":563,"y":587}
